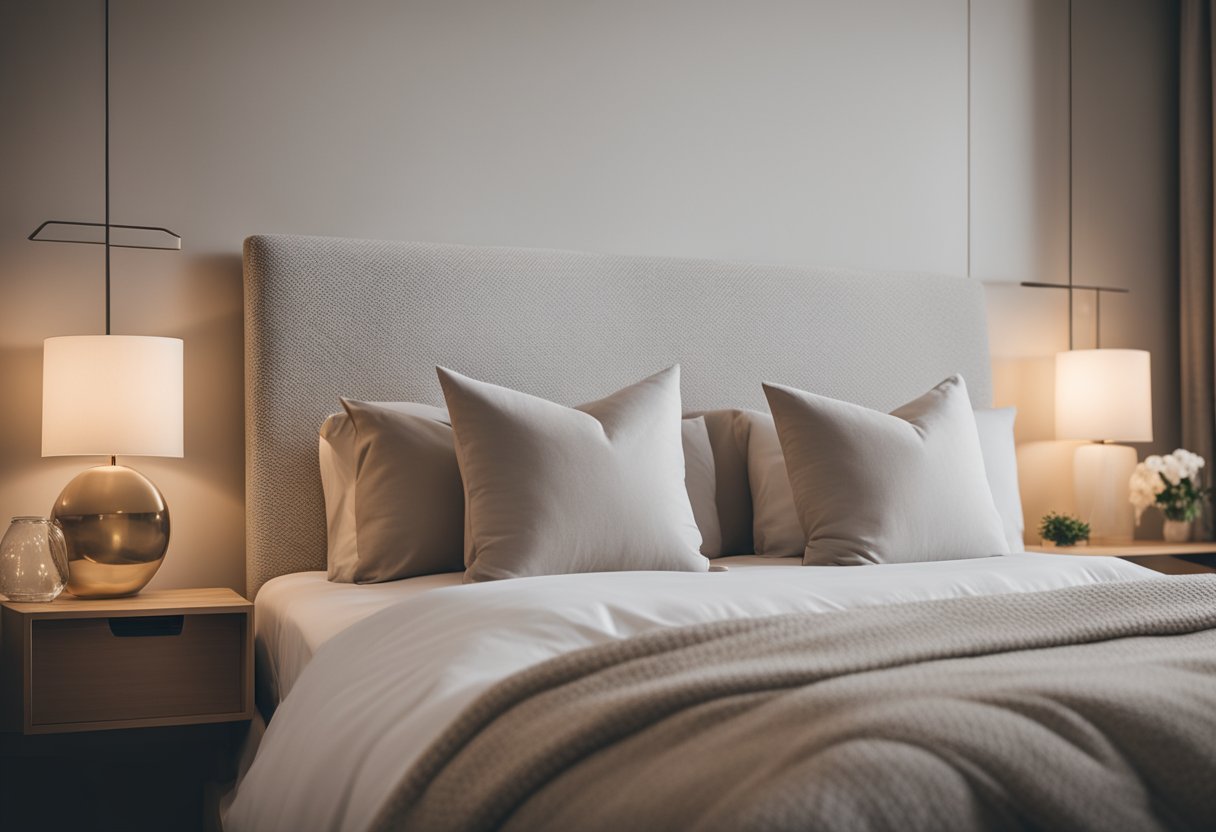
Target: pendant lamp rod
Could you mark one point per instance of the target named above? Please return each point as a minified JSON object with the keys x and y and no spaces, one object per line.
{"x":1070,"y":254}
{"x":107,"y":151}
{"x":1071,"y":286}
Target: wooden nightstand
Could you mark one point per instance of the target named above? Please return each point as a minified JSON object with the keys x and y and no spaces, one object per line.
{"x":118,"y":713}
{"x":174,"y":657}
{"x":1170,"y":558}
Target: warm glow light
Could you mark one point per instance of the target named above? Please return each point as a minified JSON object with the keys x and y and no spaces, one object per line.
{"x":112,"y":395}
{"x":1104,"y":395}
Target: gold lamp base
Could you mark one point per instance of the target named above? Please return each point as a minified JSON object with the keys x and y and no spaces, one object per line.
{"x":117,"y":528}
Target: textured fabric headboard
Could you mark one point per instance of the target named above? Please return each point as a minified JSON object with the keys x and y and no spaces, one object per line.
{"x":328,"y":317}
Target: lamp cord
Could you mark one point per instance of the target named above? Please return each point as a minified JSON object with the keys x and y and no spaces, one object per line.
{"x":107,"y":162}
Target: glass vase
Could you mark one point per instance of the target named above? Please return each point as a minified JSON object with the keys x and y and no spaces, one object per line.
{"x":33,"y":560}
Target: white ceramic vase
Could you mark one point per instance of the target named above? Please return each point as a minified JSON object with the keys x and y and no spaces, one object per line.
{"x":1177,"y":531}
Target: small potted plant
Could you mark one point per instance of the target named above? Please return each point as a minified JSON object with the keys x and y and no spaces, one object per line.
{"x":1063,"y":530}
{"x":1172,"y":484}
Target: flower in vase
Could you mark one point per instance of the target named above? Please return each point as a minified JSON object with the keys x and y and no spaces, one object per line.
{"x":1171,"y":483}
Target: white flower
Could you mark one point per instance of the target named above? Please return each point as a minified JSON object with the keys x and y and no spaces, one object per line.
{"x":1190,"y":463}
{"x":1173,"y":471}
{"x":1157,"y":473}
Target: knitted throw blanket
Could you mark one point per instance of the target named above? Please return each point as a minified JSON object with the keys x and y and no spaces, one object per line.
{"x":1089,"y":708}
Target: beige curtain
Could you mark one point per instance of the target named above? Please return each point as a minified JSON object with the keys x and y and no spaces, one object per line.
{"x":1196,"y":236}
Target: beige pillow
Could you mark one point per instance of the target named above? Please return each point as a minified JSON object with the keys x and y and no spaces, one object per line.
{"x":700,"y":481}
{"x":873,"y":487}
{"x":776,"y":532}
{"x":338,"y":455}
{"x":390,"y":467}
{"x":732,"y":495}
{"x":394,"y":501}
{"x":552,"y":490}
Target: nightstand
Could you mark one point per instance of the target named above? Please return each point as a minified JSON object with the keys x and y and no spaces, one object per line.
{"x":1169,"y":558}
{"x":117,"y":713}
{"x":174,"y":657}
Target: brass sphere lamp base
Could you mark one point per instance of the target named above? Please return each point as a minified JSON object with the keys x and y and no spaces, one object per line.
{"x":116,"y":524}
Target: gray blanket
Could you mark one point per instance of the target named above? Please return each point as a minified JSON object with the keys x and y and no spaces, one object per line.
{"x":1091,"y":708}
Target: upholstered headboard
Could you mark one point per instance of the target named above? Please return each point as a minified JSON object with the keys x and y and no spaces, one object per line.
{"x":328,"y":317}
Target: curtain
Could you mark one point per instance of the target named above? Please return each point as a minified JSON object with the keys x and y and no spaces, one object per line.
{"x":1196,"y":232}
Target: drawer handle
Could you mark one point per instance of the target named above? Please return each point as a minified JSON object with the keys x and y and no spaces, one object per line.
{"x":148,"y":625}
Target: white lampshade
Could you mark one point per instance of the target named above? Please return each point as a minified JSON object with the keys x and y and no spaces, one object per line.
{"x":1104,"y":395}
{"x":112,"y":395}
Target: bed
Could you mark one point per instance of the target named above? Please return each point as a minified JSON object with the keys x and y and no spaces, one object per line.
{"x":371,"y":685}
{"x":299,"y":612}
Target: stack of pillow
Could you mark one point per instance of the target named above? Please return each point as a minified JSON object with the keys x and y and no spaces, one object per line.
{"x":502,"y":484}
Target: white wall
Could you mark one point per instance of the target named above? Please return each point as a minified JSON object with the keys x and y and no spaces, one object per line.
{"x":829,"y":133}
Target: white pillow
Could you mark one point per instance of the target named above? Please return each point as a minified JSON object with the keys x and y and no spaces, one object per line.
{"x":553,"y":490}
{"x":776,"y":530}
{"x":1001,"y":465}
{"x":339,"y":464}
{"x":873,"y":487}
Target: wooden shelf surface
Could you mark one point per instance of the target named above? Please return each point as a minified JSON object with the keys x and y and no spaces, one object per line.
{"x":1135,"y":548}
{"x":149,"y":602}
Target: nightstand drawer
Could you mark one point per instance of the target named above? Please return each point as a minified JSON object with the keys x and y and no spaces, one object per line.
{"x":89,"y":670}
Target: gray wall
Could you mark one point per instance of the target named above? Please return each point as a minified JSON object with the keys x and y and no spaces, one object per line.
{"x":831,"y":133}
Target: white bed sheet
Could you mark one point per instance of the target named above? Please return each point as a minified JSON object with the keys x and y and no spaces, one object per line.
{"x":376,"y":694}
{"x":295,"y":614}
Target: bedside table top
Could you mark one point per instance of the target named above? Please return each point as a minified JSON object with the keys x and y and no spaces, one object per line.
{"x":149,"y":602}
{"x":1134,"y":548}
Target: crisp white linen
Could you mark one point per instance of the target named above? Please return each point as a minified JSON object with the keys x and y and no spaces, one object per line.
{"x":377,"y":694}
{"x":295,"y":614}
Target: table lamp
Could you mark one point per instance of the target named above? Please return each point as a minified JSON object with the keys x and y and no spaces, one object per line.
{"x":1104,"y":396}
{"x":112,"y":395}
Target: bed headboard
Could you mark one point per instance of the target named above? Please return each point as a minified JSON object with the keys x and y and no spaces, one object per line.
{"x":327,"y":317}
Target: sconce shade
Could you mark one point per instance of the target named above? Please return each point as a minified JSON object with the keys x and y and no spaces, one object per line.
{"x":1104,"y":395}
{"x":112,"y":395}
